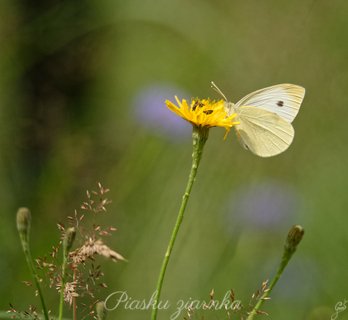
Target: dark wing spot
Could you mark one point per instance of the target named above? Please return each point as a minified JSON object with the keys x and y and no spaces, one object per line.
{"x":208,"y":111}
{"x":280,"y":103}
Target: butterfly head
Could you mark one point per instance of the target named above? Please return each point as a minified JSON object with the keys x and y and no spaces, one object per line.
{"x":230,"y":108}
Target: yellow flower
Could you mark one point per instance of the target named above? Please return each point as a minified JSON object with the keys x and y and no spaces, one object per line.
{"x":203,"y":113}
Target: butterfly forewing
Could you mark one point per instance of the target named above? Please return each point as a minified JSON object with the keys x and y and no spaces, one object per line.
{"x":283,"y":99}
{"x":262,"y":132}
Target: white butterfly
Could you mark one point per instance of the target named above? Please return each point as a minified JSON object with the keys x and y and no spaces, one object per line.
{"x":265,"y":117}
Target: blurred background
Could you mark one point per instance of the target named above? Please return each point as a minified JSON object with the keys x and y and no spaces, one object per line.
{"x":82,"y":91}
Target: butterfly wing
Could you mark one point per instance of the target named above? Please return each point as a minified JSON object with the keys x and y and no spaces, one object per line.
{"x":283,"y":99}
{"x":262,"y":132}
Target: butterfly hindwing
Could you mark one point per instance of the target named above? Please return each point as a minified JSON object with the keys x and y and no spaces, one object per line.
{"x":262,"y":132}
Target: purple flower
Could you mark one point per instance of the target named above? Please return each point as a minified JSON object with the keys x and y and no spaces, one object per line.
{"x":152,"y":113}
{"x":264,"y":205}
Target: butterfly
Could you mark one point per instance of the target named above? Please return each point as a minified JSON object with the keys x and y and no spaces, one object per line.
{"x":265,"y":117}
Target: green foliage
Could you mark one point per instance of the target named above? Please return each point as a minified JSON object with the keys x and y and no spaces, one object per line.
{"x":70,"y":75}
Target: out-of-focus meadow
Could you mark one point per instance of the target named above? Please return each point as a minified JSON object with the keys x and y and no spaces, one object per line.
{"x":82,"y":91}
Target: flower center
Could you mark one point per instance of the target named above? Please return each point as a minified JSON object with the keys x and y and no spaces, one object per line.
{"x":201,"y":104}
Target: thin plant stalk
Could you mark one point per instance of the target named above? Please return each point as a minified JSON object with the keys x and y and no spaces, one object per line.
{"x":294,"y":238}
{"x":74,"y":300}
{"x":199,"y":136}
{"x":265,"y":295}
{"x":36,"y":278}
{"x":61,"y":300}
{"x":23,"y":226}
{"x":10,"y":315}
{"x":67,"y":243}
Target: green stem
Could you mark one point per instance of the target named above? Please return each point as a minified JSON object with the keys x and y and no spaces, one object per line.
{"x":294,"y":238}
{"x":61,"y":300}
{"x":23,"y":219}
{"x":74,"y":300}
{"x":67,"y":243}
{"x":29,"y":260}
{"x":265,"y":295}
{"x":11,"y":315}
{"x":199,"y":136}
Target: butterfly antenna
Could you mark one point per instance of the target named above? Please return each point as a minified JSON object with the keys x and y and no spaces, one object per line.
{"x":216,"y":88}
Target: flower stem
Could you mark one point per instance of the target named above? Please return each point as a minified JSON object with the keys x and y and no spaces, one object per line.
{"x":199,"y":136}
{"x":67,"y":243}
{"x":61,"y":300}
{"x":74,"y":300}
{"x":294,"y":238}
{"x":30,"y":264}
{"x":23,"y":226}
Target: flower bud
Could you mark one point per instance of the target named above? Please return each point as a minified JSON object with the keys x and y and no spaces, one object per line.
{"x":69,"y":238}
{"x":294,"y":238}
{"x":23,"y":223}
{"x":101,"y":310}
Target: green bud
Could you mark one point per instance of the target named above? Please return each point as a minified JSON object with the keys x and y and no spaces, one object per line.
{"x":69,"y":238}
{"x":294,"y":238}
{"x":23,"y":223}
{"x":101,"y":311}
